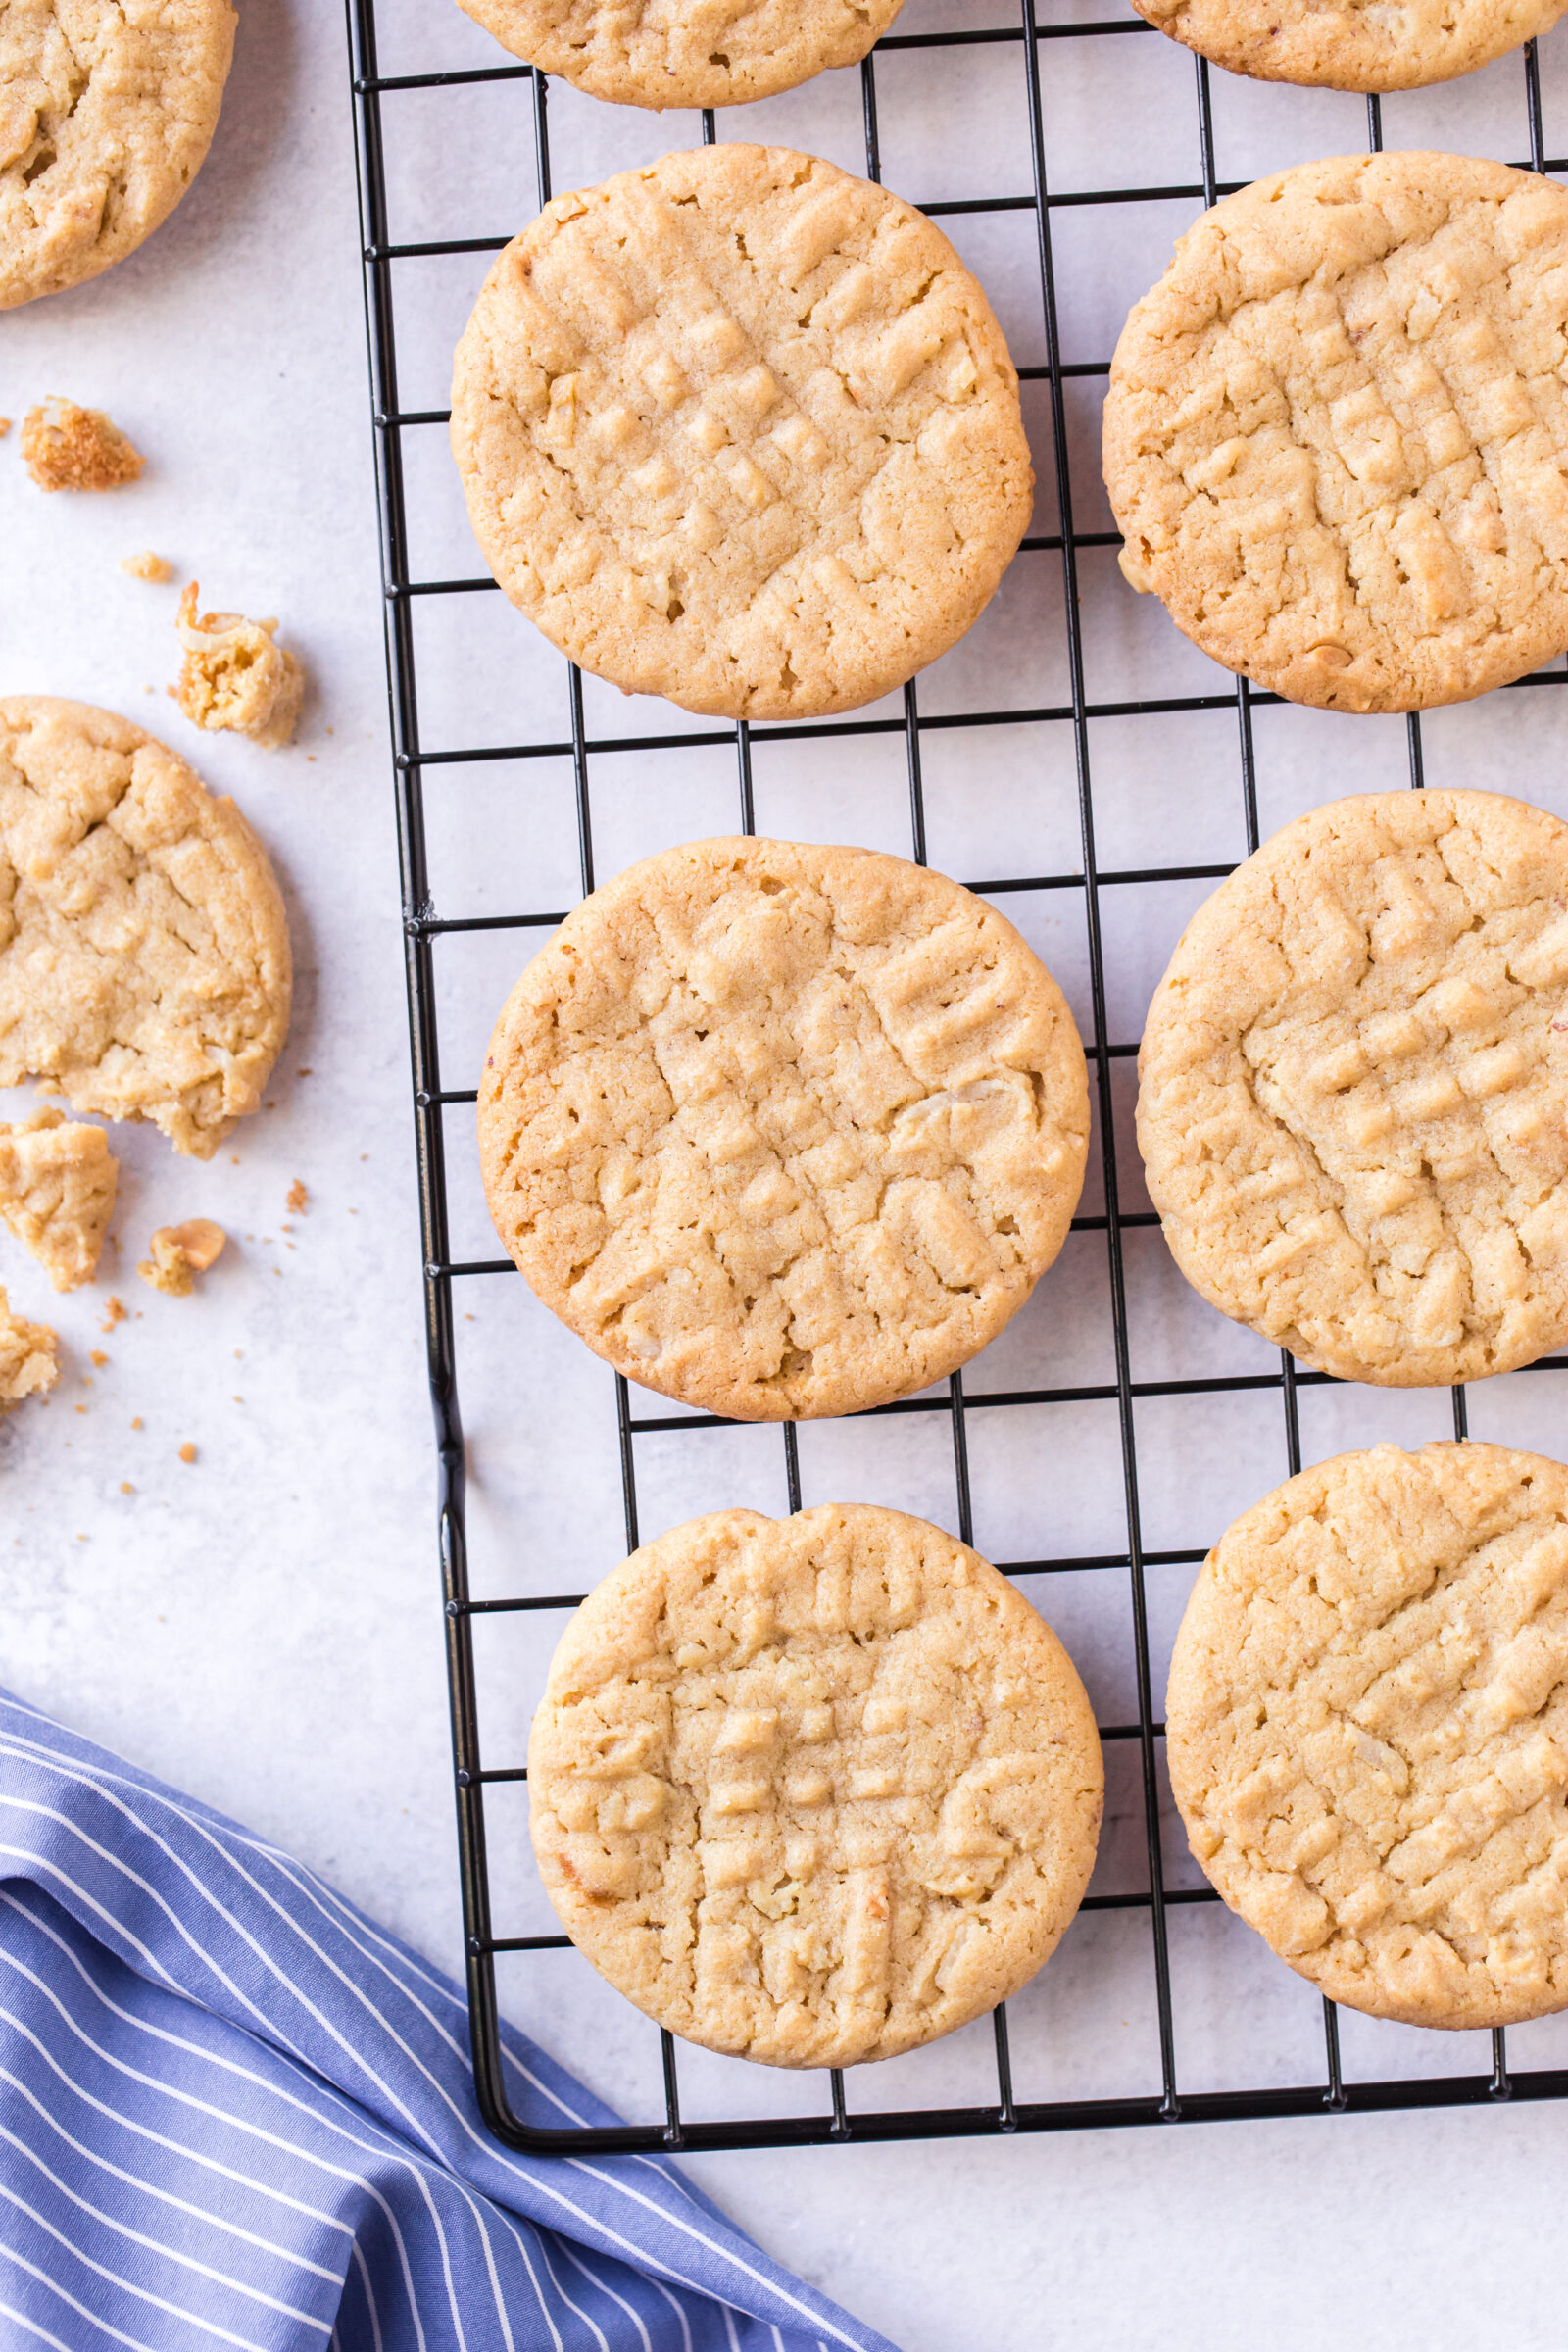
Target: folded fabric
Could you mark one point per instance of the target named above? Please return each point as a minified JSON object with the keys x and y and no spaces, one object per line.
{"x":235,"y":2111}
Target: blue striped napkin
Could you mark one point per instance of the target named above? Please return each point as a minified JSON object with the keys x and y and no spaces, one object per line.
{"x":234,"y":2110}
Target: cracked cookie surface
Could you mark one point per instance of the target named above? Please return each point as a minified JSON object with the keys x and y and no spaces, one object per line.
{"x":1353,"y":1088}
{"x":813,"y":1790}
{"x":1367,"y":1728}
{"x":783,"y":1130}
{"x":1336,"y":431}
{"x":657,"y":53}
{"x":107,"y":108}
{"x":741,"y":430}
{"x":144,"y":954}
{"x":1371,"y":45}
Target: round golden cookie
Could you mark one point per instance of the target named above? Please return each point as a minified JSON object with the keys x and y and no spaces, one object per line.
{"x":107,"y":108}
{"x":1353,"y":1088}
{"x":144,"y":953}
{"x":783,"y":1130}
{"x":1373,"y":45}
{"x":719,"y":53}
{"x":813,"y":1790}
{"x":741,"y":430}
{"x":1337,"y":428}
{"x":1367,"y":1729}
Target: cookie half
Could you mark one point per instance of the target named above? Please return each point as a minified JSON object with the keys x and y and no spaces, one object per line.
{"x":783,"y":1130}
{"x":1337,"y":429}
{"x":813,"y":1790}
{"x":1367,"y":1729}
{"x":663,"y":55}
{"x":1353,"y":1088}
{"x":106,"y":114}
{"x":144,"y":953}
{"x":1347,"y":44}
{"x":741,"y":430}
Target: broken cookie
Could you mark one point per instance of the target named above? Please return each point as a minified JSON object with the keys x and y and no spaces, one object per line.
{"x":28,"y":1357}
{"x":234,"y":678}
{"x":57,"y":1193}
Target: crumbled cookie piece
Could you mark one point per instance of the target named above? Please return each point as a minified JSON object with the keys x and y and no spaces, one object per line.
{"x":67,"y":448}
{"x":299,"y":1199}
{"x":57,"y":1193}
{"x":179,"y":1253}
{"x":234,"y":678}
{"x":187,"y":1452}
{"x":116,"y":1314}
{"x":29,"y":1357}
{"x":145,"y":566}
{"x":4,"y":426}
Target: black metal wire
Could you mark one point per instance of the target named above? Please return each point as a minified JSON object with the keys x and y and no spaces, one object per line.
{"x":424,"y":926}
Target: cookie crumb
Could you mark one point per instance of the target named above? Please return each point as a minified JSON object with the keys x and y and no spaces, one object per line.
{"x":179,"y":1253}
{"x":299,"y":1199}
{"x":99,"y":1358}
{"x":136,"y":1424}
{"x":57,"y":1193}
{"x":187,"y":1452}
{"x":116,"y":1314}
{"x":125,"y":1487}
{"x":234,"y":678}
{"x":29,"y":1357}
{"x":67,"y":448}
{"x":5,"y":427}
{"x":305,"y":1070}
{"x":147,"y":566}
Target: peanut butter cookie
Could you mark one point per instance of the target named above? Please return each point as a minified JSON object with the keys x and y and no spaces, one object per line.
{"x":1353,"y":1098}
{"x":106,"y":114}
{"x":1367,"y":1729}
{"x":813,"y":1790}
{"x":724,"y":53}
{"x":144,"y":956}
{"x":1353,"y":44}
{"x":1336,"y":431}
{"x":784,"y":1131}
{"x":741,"y":430}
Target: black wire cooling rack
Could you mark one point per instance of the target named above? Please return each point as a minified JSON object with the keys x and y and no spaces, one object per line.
{"x":390,"y":303}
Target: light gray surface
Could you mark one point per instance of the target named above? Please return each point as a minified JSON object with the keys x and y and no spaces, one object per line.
{"x":262,"y":1626}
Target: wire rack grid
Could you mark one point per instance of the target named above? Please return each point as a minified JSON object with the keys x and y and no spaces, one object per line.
{"x":1329,"y":2088}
